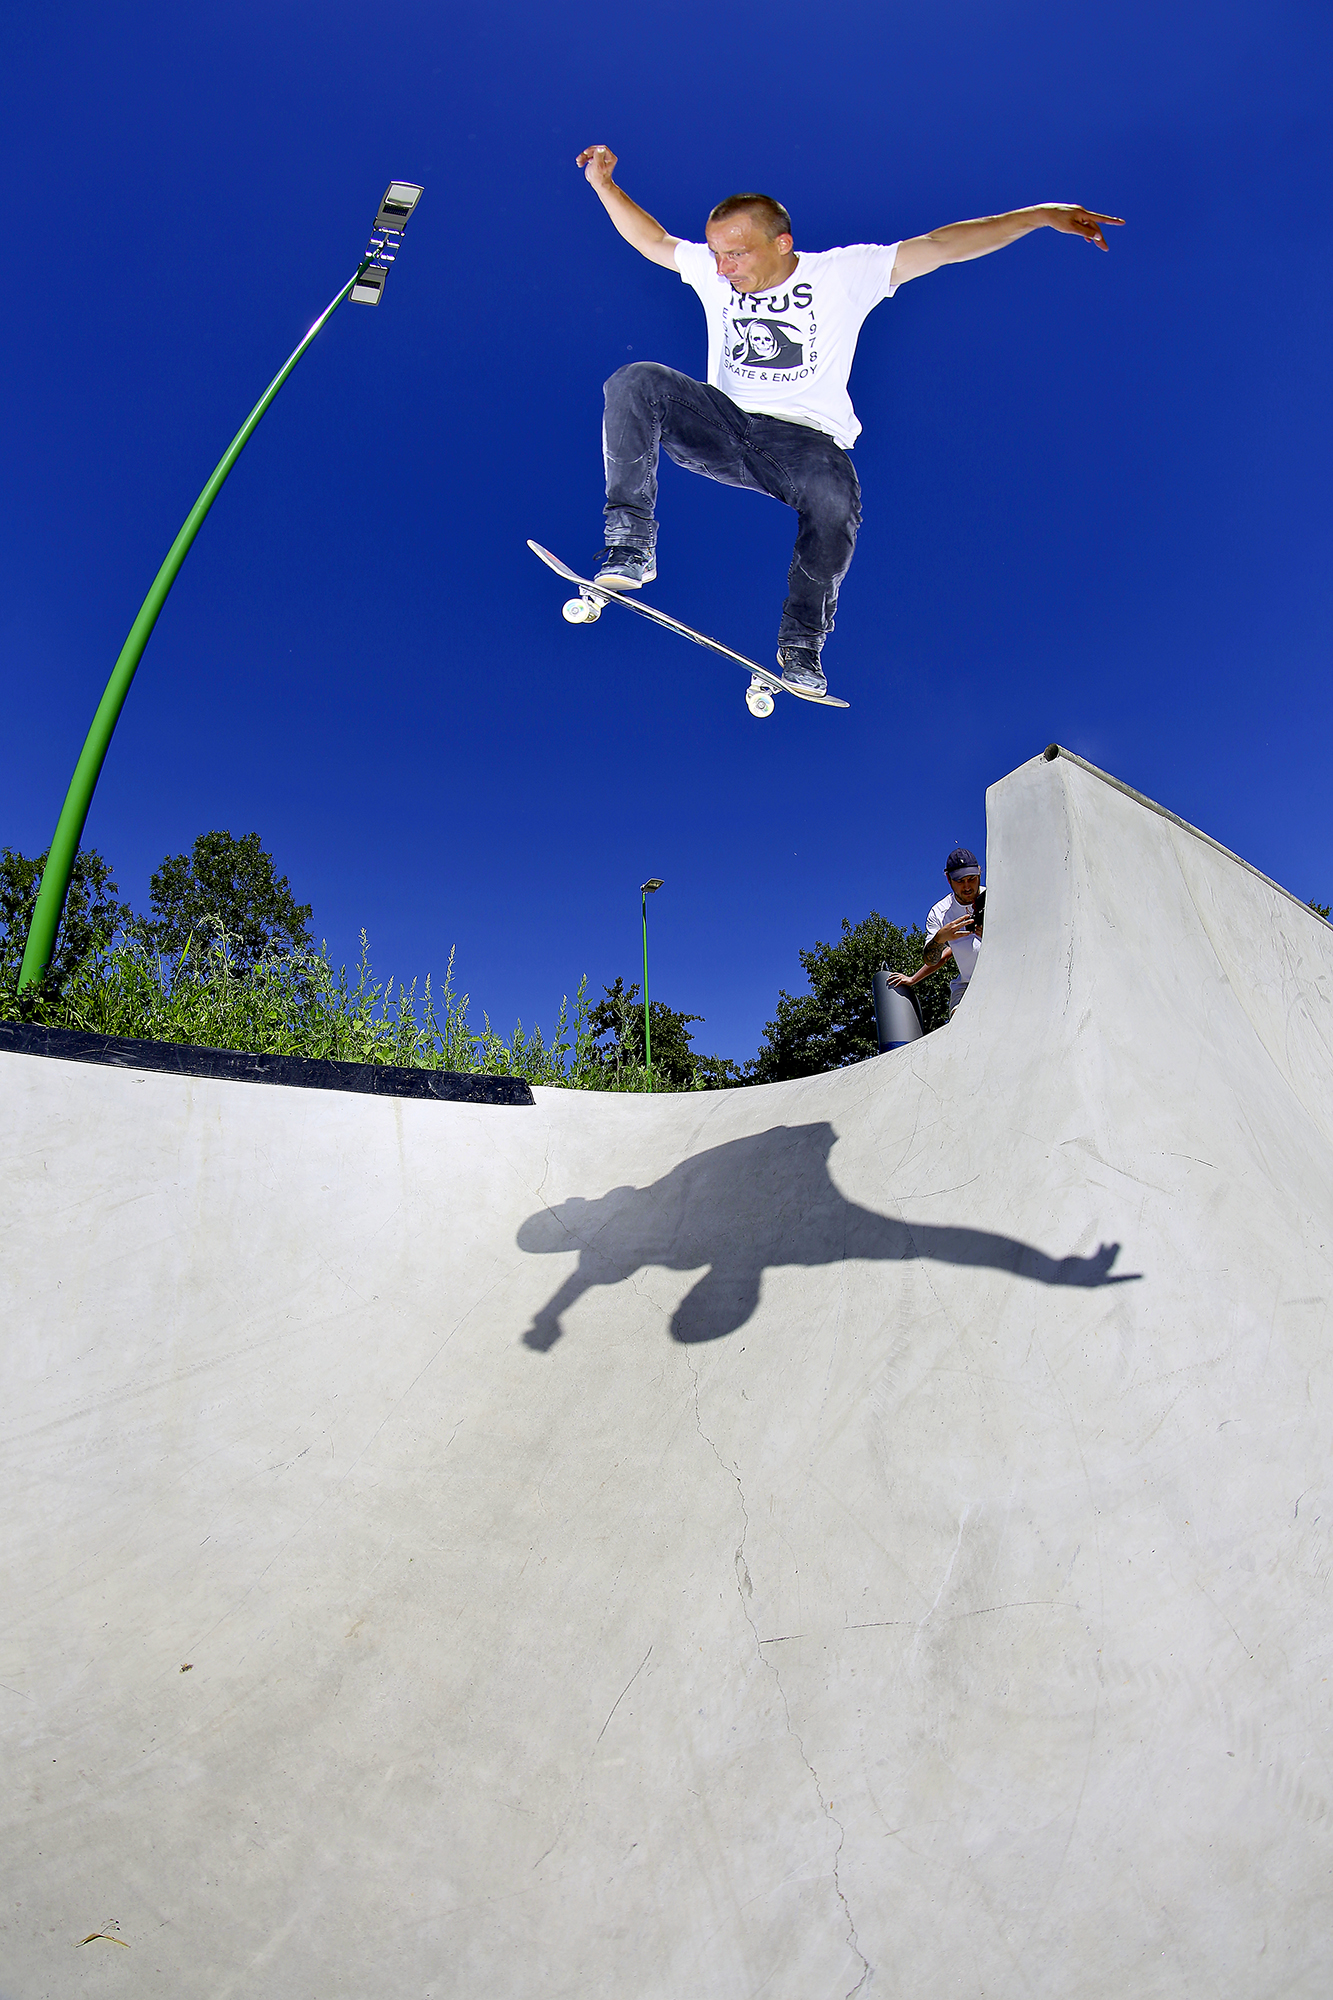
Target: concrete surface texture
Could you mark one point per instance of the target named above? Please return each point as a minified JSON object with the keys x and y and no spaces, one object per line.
{"x":867,"y":1534}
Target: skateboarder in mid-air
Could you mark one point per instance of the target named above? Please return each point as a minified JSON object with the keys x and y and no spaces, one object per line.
{"x":774,"y":414}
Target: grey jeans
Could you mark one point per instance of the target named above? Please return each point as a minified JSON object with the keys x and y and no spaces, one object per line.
{"x":650,"y":407}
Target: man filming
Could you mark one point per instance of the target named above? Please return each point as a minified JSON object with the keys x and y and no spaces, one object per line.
{"x":953,"y":928}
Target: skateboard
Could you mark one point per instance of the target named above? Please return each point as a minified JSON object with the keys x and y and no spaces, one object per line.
{"x":593,"y":598}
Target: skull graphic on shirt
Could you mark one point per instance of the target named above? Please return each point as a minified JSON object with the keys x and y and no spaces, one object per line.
{"x":765,"y":343}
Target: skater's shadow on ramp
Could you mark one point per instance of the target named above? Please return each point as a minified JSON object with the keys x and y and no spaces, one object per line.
{"x":746,"y":1205}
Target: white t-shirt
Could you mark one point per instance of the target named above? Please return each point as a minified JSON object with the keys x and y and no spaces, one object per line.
{"x":965,"y":949}
{"x":787,"y":353}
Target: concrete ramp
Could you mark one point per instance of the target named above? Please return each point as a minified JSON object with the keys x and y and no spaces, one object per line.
{"x":868,"y":1534}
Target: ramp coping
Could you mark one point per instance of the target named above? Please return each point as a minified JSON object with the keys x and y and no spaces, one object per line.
{"x":1054,"y":750}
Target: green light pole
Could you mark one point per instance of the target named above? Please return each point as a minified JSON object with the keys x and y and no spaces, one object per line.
{"x":647,"y":889}
{"x":365,"y":285}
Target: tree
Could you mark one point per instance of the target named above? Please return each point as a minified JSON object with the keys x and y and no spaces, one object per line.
{"x":228,"y":883}
{"x":834,"y":1024}
{"x":91,"y":918}
{"x":619,"y":1016}
{"x":1321,"y":910}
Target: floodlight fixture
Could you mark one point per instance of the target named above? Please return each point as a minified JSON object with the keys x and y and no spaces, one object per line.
{"x":367,"y":286}
{"x":386,"y":236}
{"x":400,"y":198}
{"x":652,"y":885}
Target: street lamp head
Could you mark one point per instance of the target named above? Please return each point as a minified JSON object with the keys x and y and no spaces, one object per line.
{"x":652,"y":885}
{"x":395,"y":210}
{"x":368,"y":286}
{"x":400,"y":198}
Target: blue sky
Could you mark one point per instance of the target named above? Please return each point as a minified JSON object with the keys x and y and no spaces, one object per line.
{"x":1096,"y":488}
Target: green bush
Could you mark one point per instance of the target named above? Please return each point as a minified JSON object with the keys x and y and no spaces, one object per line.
{"x":834,"y":1023}
{"x":618,"y":1027}
{"x":92,"y":915}
{"x":234,"y":884}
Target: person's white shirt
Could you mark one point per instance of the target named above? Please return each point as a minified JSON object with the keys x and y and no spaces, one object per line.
{"x":787,"y":353}
{"x":966,"y":949}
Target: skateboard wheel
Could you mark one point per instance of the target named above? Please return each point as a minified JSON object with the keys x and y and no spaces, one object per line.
{"x":759,"y":700}
{"x":579,"y":612}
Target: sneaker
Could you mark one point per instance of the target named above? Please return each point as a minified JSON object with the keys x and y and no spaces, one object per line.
{"x":801,"y":669}
{"x":625,"y":568}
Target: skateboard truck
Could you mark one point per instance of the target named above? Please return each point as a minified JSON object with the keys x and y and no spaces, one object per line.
{"x":585,"y":609}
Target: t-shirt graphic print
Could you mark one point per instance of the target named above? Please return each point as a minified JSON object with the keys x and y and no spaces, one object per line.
{"x":764,"y":343}
{"x":788,"y":353}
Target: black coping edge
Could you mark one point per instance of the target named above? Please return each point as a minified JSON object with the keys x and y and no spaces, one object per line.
{"x":238,"y":1066}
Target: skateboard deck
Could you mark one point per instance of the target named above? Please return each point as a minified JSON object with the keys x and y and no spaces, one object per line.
{"x":587,"y":608}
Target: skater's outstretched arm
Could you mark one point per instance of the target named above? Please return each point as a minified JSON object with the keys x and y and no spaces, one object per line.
{"x":957,"y":242}
{"x":634,"y":223}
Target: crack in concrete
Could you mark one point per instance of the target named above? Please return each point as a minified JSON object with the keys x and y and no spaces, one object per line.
{"x":546,"y":1168}
{"x":744,"y":1589}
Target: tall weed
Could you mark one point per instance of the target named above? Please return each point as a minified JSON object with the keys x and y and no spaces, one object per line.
{"x":298,"y":1005}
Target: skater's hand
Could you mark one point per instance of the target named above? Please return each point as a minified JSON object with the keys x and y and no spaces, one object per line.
{"x":958,"y":928}
{"x":1075,"y":220}
{"x":598,"y":163}
{"x":634,"y":223}
{"x":959,"y":242}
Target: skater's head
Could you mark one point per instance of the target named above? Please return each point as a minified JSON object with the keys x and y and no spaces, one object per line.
{"x":963,"y":872}
{"x":751,"y":241}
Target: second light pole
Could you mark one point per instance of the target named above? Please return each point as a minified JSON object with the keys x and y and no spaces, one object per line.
{"x":647,"y":889}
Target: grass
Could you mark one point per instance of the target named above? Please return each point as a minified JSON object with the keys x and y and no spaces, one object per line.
{"x":298,"y":1005}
